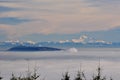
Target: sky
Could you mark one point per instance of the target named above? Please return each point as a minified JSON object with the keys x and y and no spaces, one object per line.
{"x":54,"y":20}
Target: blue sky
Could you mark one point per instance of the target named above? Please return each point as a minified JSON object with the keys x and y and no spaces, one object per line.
{"x":53,"y":20}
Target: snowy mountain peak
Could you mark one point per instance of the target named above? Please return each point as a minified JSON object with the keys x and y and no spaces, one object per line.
{"x":30,"y":42}
{"x":85,"y":39}
{"x":64,"y":41}
{"x":81,"y":39}
{"x":12,"y":41}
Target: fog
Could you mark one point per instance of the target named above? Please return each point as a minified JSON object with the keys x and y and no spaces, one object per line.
{"x":51,"y":65}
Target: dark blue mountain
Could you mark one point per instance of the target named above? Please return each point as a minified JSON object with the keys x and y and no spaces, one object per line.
{"x":26,"y":48}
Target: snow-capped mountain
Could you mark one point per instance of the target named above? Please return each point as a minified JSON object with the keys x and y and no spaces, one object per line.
{"x":85,"y":39}
{"x":83,"y":42}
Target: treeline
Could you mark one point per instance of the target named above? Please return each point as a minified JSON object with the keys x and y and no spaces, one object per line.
{"x":80,"y":76}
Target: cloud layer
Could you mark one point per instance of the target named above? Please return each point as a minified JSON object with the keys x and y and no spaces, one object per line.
{"x":24,"y":17}
{"x":51,"y":65}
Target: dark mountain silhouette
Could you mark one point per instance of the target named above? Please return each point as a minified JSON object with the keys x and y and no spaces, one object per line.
{"x":27,"y":48}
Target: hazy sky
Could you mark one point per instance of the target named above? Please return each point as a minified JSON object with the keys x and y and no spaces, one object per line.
{"x":42,"y":20}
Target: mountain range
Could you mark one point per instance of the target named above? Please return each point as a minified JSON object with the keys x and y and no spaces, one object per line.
{"x":83,"y":42}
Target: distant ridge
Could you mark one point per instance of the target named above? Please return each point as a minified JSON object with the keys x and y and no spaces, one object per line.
{"x":27,"y":48}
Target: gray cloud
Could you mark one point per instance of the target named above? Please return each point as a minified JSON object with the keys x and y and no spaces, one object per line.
{"x":6,"y":9}
{"x":104,"y":4}
{"x":5,"y":1}
{"x":12,"y":1}
{"x":107,"y":2}
{"x":12,"y":20}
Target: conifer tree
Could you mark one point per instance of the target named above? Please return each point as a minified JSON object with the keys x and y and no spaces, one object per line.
{"x":80,"y":76}
{"x":0,"y":78}
{"x":13,"y":77}
{"x":66,"y":76}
